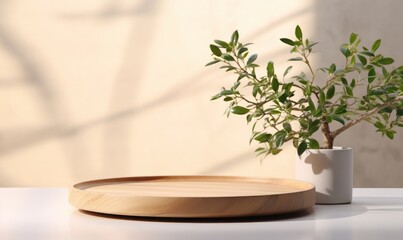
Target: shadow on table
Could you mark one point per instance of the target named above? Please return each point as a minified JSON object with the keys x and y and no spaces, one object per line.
{"x":359,"y":206}
{"x":84,"y":225}
{"x":281,"y":217}
{"x":309,"y":224}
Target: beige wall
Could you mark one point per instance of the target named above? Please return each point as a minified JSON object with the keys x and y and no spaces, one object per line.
{"x":93,"y":89}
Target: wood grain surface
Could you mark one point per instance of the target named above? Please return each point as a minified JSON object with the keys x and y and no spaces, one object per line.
{"x":193,"y":196}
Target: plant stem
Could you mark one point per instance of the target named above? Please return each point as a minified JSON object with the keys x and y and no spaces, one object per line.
{"x":246,"y":100}
{"x":309,"y":65}
{"x":328,"y":137}
{"x":243,"y":69}
{"x":365,"y":116}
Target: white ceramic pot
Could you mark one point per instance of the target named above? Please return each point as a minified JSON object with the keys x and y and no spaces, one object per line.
{"x":330,"y":170}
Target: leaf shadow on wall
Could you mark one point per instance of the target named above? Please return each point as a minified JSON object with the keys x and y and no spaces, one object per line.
{"x":126,"y":83}
{"x":35,"y":78}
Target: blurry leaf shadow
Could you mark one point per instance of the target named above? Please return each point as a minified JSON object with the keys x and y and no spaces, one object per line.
{"x":319,"y":162}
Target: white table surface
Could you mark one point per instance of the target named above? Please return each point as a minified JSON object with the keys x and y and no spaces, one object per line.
{"x":44,"y":213}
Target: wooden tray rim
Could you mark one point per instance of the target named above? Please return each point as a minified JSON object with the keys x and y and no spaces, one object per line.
{"x":83,"y":186}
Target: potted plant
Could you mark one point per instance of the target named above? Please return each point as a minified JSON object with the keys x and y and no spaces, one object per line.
{"x":330,"y":99}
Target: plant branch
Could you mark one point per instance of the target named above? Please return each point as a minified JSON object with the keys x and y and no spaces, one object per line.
{"x":246,"y":100}
{"x":365,"y":116}
{"x":274,"y":105}
{"x":243,"y":68}
{"x":330,"y":80}
{"x":309,"y":66}
{"x":328,"y":137}
{"x":303,"y":54}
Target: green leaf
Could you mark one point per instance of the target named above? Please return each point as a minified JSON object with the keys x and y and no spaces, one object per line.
{"x":332,"y":68}
{"x":313,"y":126}
{"x":311,"y":106}
{"x":263,"y":137}
{"x":260,"y":149}
{"x":225,"y":92}
{"x":283,"y":97}
{"x":234,"y":38}
{"x":345,"y":52}
{"x":275,"y":84}
{"x":236,"y":85}
{"x":212,"y":62}
{"x":341,"y":109}
{"x":338,"y":119}
{"x":322,"y":96}
{"x":318,"y":112}
{"x":249,"y":118}
{"x":385,"y":72}
{"x":252,"y":65}
{"x":353,"y":61}
{"x":352,"y":84}
{"x":215,"y":50}
{"x":239,"y":110}
{"x":390,"y":134}
{"x":275,"y":151}
{"x":303,"y":123}
{"x":311,"y":44}
{"x":227,"y":99}
{"x":368,"y":53}
{"x":280,"y":138}
{"x":313,"y":144}
{"x":298,"y":32}
{"x":371,"y":75}
{"x":228,"y":67}
{"x":379,"y":125}
{"x":270,"y":69}
{"x":348,"y":90}
{"x":247,"y":44}
{"x":330,"y":92}
{"x":287,"y":126}
{"x":304,"y":82}
{"x":272,"y":111}
{"x":376,"y":45}
{"x":353,"y":37}
{"x":251,"y":59}
{"x":357,"y":43}
{"x":242,"y":50}
{"x":386,"y":61}
{"x":215,"y":97}
{"x":287,"y":71}
{"x":362,"y":59}
{"x":308,"y":90}
{"x":266,"y":152}
{"x":301,"y":148}
{"x":376,"y":92}
{"x":242,"y":75}
{"x":386,"y":110}
{"x":288,"y":41}
{"x":296,"y":59}
{"x":255,"y":90}
{"x":228,"y":57}
{"x":222,"y":43}
{"x":295,"y":142}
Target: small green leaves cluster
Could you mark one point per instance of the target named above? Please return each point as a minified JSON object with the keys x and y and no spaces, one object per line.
{"x":284,"y":108}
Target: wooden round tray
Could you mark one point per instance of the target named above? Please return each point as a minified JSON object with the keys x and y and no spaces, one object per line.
{"x":193,"y":196}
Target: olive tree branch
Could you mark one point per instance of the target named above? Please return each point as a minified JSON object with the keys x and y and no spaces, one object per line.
{"x":365,"y":116}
